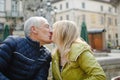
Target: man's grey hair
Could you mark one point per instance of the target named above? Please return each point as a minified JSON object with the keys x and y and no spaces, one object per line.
{"x":33,"y":21}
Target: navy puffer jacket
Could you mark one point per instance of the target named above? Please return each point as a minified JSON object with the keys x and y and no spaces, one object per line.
{"x":23,"y":59}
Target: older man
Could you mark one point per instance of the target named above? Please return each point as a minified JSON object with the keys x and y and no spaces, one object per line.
{"x":27,"y":58}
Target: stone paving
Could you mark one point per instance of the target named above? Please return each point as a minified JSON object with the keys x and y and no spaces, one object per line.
{"x":110,"y":63}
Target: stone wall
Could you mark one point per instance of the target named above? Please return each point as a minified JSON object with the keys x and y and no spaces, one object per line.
{"x":111,"y":66}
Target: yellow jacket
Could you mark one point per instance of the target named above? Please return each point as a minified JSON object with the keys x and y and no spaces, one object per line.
{"x":81,"y":65}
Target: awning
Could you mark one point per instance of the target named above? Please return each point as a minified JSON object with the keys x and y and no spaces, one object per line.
{"x":95,"y":30}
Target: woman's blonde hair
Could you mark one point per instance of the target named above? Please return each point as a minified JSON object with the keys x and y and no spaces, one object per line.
{"x":65,"y":33}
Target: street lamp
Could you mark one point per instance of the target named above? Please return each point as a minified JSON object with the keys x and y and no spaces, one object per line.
{"x":48,"y":3}
{"x":54,"y":14}
{"x":46,"y":10}
{"x":39,"y":8}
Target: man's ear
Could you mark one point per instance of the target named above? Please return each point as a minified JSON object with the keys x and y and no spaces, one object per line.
{"x":34,"y":29}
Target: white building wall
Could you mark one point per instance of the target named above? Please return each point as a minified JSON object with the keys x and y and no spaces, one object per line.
{"x":118,"y":21}
{"x":93,"y":14}
{"x":7,"y":15}
{"x":90,"y":5}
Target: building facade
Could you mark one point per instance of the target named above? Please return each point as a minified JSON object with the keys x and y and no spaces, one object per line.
{"x":36,"y":8}
{"x":11,"y":13}
{"x":116,"y":3}
{"x":118,"y":10}
{"x":99,"y":16}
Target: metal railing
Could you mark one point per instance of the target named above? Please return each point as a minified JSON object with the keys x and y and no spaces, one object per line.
{"x":18,"y":14}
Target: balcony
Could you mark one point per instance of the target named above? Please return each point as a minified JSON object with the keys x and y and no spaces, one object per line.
{"x":14,"y":14}
{"x":2,"y":14}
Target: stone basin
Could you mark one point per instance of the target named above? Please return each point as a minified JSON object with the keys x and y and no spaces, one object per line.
{"x":110,"y":63}
{"x":116,"y":78}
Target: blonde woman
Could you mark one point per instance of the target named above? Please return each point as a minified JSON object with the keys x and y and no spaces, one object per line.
{"x":73,"y":58}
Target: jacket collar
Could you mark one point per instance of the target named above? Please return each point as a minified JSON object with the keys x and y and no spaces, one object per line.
{"x":33,"y":43}
{"x":75,"y":51}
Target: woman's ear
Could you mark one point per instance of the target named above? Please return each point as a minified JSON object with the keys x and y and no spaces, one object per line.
{"x":33,"y":29}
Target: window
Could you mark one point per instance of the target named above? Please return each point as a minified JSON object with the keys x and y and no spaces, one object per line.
{"x":101,"y":20}
{"x":109,"y":37}
{"x":1,"y":27}
{"x":116,"y":35}
{"x":67,"y":5}
{"x":67,"y":17}
{"x":1,"y":32}
{"x":115,"y":22}
{"x":2,"y":5}
{"x":110,"y":9}
{"x":115,"y":10}
{"x":60,"y":6}
{"x":83,"y":5}
{"x":14,"y":8}
{"x":109,"y":21}
{"x":117,"y":42}
{"x":61,"y":17}
{"x":101,"y":7}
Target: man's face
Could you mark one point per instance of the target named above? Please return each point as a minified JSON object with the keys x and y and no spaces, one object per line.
{"x":44,"y":33}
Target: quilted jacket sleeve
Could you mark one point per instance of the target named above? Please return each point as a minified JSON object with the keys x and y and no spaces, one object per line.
{"x":6,"y":49}
{"x":91,"y":67}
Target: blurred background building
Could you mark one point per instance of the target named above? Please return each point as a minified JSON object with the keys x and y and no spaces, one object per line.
{"x":116,"y":4}
{"x":11,"y":13}
{"x":100,"y":17}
